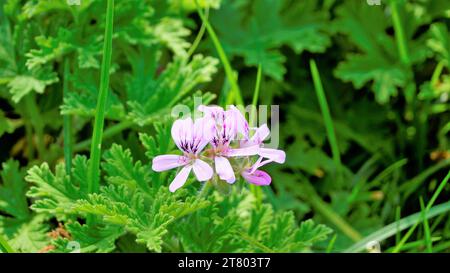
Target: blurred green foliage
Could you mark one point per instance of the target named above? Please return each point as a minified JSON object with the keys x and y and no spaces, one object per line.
{"x":385,"y":71}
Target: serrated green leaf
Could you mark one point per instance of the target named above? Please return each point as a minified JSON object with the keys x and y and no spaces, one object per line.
{"x":274,"y":23}
{"x":56,"y":193}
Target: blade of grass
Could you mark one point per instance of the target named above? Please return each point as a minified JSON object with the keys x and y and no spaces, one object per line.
{"x":397,"y":219}
{"x":223,"y":57}
{"x":67,"y":122}
{"x":427,"y":209}
{"x":329,"y":126}
{"x":4,"y":245}
{"x":426,"y":227}
{"x":415,"y":244}
{"x":409,"y":221}
{"x":393,"y":228}
{"x":331,"y":244}
{"x":413,"y":184}
{"x":95,"y":155}
{"x":386,"y":172}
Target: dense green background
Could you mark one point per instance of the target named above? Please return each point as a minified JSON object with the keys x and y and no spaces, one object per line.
{"x":385,"y":73}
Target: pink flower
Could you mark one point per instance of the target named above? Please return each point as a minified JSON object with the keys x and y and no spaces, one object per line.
{"x":257,"y":177}
{"x":230,"y":125}
{"x":190,"y":137}
{"x":272,"y":155}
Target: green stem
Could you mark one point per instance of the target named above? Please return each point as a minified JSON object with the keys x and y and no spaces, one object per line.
{"x":437,"y":73}
{"x":199,"y":37}
{"x":256,"y":190}
{"x":95,"y":155}
{"x":223,"y":57}
{"x":253,"y":117}
{"x":108,"y":133}
{"x":37,"y":123}
{"x":329,"y":126}
{"x":399,"y":33}
{"x":67,"y":122}
{"x":4,"y":245}
{"x":29,"y":137}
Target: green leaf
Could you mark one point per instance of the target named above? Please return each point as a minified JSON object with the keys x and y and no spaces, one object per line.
{"x":25,"y":232}
{"x":36,"y":81}
{"x":379,"y":61}
{"x":56,"y":193}
{"x":86,"y":238}
{"x":310,"y":233}
{"x":171,"y":33}
{"x":272,"y":24}
{"x":440,"y":42}
{"x":28,"y":236}
{"x":120,"y":169}
{"x":178,"y":79}
{"x":12,"y":191}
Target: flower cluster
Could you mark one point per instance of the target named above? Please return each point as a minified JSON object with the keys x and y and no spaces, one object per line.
{"x":233,"y":148}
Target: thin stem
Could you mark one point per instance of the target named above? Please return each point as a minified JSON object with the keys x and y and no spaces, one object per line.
{"x":223,"y":57}
{"x":257,"y":86}
{"x":399,"y":33}
{"x":329,"y":126}
{"x":37,"y":123}
{"x":94,"y":166}
{"x":256,"y":190}
{"x":67,"y":122}
{"x":4,"y":245}
{"x":204,"y":191}
{"x":437,"y":73}
{"x":29,"y":137}
{"x":199,"y":37}
{"x":109,"y":132}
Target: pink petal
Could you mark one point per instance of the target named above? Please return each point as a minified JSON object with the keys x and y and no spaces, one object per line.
{"x":202,"y":170}
{"x":278,"y":156}
{"x":240,"y":123}
{"x":167,"y":162}
{"x":182,"y":131}
{"x":211,"y":111}
{"x":180,"y":179}
{"x":258,"y":177}
{"x":246,"y":151}
{"x":203,"y":131}
{"x":261,"y":134}
{"x":224,"y":169}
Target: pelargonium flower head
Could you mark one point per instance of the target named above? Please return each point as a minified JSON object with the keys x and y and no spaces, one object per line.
{"x":230,"y":125}
{"x":190,"y":137}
